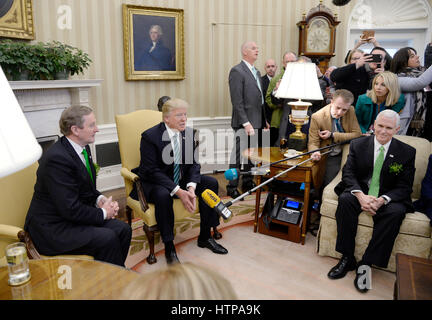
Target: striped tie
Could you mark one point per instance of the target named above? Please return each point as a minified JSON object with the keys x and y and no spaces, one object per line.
{"x":176,"y":159}
{"x":374,"y":186}
{"x":86,"y":157}
{"x":338,"y":125}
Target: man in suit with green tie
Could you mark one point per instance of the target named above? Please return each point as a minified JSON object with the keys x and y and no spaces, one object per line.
{"x":67,"y":215}
{"x":377,"y":178}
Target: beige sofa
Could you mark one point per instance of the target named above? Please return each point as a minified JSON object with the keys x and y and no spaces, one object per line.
{"x":415,"y":233}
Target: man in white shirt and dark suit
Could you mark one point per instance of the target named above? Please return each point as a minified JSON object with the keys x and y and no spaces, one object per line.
{"x":377,"y":178}
{"x":248,"y":114}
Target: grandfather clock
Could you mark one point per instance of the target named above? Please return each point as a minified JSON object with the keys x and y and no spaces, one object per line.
{"x":318,"y":35}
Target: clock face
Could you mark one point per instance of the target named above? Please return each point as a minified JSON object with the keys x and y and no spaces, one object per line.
{"x":318,"y":36}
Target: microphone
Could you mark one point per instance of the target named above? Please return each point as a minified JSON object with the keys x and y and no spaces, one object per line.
{"x":214,"y":202}
{"x":233,"y":174}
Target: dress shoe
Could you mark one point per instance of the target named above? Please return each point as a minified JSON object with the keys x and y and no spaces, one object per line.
{"x":171,"y":257}
{"x":234,"y":193}
{"x":248,"y":186}
{"x":211,"y":244}
{"x":344,"y":265}
{"x":216,"y":234}
{"x":362,"y":279}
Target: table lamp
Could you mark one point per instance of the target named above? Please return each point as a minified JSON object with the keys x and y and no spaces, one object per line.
{"x":18,"y":145}
{"x":300,"y":81}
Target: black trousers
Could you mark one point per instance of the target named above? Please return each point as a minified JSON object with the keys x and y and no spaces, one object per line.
{"x":109,"y":243}
{"x":164,"y":212}
{"x":386,"y":227}
{"x":241,"y":142}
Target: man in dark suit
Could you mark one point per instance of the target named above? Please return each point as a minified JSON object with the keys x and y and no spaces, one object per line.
{"x":270,"y":67}
{"x":248,"y":115}
{"x":67,"y":215}
{"x":377,"y":178}
{"x":168,"y":169}
{"x":155,"y":56}
{"x":424,"y":204}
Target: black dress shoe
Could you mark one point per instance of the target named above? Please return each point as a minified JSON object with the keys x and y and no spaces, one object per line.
{"x":248,"y":186}
{"x":363,"y":279}
{"x":234,"y":193}
{"x":171,"y":257}
{"x":344,"y":265}
{"x":216,"y":234}
{"x":211,"y":244}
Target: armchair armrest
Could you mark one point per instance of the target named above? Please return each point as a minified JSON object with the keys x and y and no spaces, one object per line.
{"x":16,"y":233}
{"x":9,"y":232}
{"x":127,"y":174}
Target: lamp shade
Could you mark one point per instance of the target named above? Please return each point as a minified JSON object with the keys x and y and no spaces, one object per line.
{"x":300,"y":81}
{"x":18,"y":145}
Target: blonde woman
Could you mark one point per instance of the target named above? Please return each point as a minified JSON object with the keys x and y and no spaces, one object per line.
{"x":385,"y":94}
{"x":185,"y":281}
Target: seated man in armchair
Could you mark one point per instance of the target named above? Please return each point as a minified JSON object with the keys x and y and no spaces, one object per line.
{"x":168,"y":169}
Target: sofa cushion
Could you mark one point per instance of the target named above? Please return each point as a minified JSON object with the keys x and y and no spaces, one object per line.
{"x":414,"y":223}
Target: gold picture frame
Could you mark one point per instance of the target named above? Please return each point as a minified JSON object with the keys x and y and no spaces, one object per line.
{"x":16,"y":19}
{"x":153,"y":43}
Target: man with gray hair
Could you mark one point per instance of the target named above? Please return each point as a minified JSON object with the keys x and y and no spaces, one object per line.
{"x":377,"y":178}
{"x":67,"y":215}
{"x":155,"y":56}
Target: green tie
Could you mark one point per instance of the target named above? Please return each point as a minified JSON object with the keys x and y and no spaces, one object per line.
{"x":84,"y":152}
{"x":374,"y":186}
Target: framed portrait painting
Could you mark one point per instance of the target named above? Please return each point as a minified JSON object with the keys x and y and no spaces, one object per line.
{"x":153,"y":43}
{"x":16,"y":19}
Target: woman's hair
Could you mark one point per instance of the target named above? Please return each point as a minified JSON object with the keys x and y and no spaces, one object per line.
{"x":73,"y":116}
{"x":351,"y":53}
{"x":400,"y":60}
{"x":392,"y":84}
{"x":172,"y":104}
{"x":388,"y":57}
{"x":185,"y":281}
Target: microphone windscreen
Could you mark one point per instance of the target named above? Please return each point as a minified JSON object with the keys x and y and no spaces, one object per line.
{"x":231,"y":174}
{"x":210,"y":198}
{"x":340,"y":2}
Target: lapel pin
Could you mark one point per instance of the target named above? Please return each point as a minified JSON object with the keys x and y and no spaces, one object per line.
{"x":391,"y":156}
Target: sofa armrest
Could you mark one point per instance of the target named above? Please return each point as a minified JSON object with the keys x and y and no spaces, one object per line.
{"x":328,"y":192}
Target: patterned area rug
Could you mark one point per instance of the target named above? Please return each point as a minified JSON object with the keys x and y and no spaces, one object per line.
{"x":186,"y":229}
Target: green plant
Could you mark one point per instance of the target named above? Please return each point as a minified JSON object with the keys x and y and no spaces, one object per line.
{"x":67,"y":58}
{"x":41,"y":61}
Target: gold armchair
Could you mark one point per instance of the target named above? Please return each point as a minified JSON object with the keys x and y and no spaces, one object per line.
{"x":16,"y":192}
{"x":129,"y":129}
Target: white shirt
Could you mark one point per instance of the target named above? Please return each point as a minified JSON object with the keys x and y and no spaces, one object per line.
{"x":171,"y":134}
{"x":78,"y":149}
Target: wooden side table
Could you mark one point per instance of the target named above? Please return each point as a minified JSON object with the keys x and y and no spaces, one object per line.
{"x":413,"y":278}
{"x":68,"y":279}
{"x":302,"y":174}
